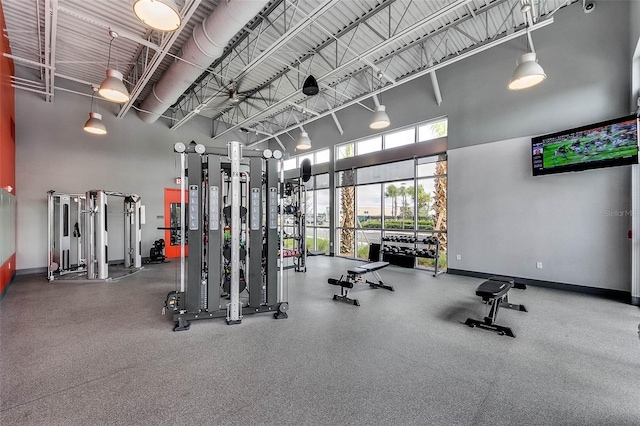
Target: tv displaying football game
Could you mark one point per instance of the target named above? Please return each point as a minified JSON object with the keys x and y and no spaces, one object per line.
{"x":606,"y":144}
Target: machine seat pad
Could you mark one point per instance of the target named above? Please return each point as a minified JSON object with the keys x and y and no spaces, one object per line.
{"x":493,"y":289}
{"x":368,"y":267}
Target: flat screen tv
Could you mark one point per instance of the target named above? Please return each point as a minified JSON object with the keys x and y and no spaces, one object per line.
{"x":606,"y":144}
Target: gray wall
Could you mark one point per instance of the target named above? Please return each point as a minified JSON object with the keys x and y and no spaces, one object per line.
{"x":53,"y":152}
{"x":503,"y":220}
{"x":635,"y":26}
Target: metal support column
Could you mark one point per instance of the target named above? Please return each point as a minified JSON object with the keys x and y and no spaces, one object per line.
{"x":128,"y":227}
{"x":635,"y":235}
{"x":194,"y":271}
{"x":234,"y":314}
{"x":137,"y":234}
{"x":272,"y":232}
{"x":101,"y":235}
{"x":132,"y":232}
{"x":255,"y":236}
{"x":214,"y":276}
{"x":63,"y":249}
{"x":89,"y":232}
{"x":50,"y":234}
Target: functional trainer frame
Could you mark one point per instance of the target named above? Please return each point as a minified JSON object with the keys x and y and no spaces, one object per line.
{"x":66,"y":255}
{"x":90,"y":233}
{"x":232,"y":225}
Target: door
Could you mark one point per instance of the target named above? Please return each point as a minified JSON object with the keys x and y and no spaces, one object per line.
{"x":172,"y":220}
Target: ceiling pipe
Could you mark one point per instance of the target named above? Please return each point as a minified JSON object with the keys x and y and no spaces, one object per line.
{"x":206,"y":44}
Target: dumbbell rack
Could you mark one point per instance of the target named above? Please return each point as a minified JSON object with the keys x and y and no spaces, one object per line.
{"x":294,"y":224}
{"x":410,"y":246}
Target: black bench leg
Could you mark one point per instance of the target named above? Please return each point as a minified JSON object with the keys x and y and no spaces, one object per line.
{"x":380,"y":285}
{"x":489,"y":322}
{"x":513,"y":306}
{"x":345,"y":299}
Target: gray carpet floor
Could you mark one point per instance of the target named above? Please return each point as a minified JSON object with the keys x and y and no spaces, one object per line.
{"x":101,"y":353}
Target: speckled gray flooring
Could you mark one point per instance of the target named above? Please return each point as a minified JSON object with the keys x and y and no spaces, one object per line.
{"x":78,"y":353}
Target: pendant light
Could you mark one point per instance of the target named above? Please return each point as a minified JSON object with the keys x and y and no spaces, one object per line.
{"x":528,"y":71}
{"x":94,"y":124}
{"x":380,"y":118}
{"x":304,"y":142}
{"x":112,"y":88}
{"x":310,"y":86}
{"x":162,"y":15}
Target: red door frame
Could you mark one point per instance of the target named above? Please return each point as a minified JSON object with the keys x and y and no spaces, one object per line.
{"x":172,"y":195}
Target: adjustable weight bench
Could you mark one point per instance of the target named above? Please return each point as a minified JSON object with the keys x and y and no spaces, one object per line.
{"x":495,"y":292}
{"x":356,"y":274}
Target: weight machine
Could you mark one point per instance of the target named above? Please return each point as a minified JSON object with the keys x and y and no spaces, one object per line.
{"x":294,"y":207}
{"x":65,"y":237}
{"x":232,"y":225}
{"x":65,"y":257}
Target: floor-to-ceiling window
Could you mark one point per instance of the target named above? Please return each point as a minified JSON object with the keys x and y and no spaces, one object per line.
{"x":316,"y":202}
{"x":405,"y":197}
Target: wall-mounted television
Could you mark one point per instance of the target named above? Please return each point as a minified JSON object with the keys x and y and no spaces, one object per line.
{"x":606,"y":144}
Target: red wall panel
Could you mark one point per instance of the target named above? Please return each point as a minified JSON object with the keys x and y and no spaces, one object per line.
{"x":7,"y":142}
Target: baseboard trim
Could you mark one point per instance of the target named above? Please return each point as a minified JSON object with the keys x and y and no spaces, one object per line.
{"x":6,"y":287}
{"x":606,"y":293}
{"x":30,"y":271}
{"x":635,"y":301}
{"x":43,"y":269}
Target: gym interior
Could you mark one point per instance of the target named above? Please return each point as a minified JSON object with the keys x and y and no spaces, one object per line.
{"x":279,"y":261}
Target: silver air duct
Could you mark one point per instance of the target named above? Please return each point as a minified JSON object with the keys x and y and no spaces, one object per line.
{"x":205,"y":46}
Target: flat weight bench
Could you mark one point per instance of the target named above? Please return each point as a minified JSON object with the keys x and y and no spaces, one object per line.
{"x":357,"y":275}
{"x":495,"y":292}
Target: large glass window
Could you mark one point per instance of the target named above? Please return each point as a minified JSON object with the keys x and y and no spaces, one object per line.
{"x":369,"y":213}
{"x":433,"y":130}
{"x":345,"y":151}
{"x":369,"y":145}
{"x":317,"y":218}
{"x":398,"y":206}
{"x":412,"y":203}
{"x":426,"y":131}
{"x":385,"y":172}
{"x":290,"y":164}
{"x":322,"y":156}
{"x":322,"y":207}
{"x":405,"y":199}
{"x":403,"y":137}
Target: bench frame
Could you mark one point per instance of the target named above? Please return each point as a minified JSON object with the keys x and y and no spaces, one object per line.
{"x":495,"y":301}
{"x":355,"y":275}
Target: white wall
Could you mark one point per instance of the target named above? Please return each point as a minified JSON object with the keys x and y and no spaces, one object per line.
{"x":503,"y":220}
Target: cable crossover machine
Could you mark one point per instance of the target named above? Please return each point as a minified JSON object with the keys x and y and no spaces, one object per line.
{"x":235,"y":263}
{"x":77,"y":233}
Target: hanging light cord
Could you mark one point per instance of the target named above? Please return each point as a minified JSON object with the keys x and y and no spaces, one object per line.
{"x":109,"y":55}
{"x":92,"y":96}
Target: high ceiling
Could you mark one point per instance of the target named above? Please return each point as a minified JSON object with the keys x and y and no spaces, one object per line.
{"x":355,"y":49}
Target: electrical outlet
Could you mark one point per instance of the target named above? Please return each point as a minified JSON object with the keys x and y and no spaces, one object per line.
{"x":539,"y":265}
{"x":458,"y":257}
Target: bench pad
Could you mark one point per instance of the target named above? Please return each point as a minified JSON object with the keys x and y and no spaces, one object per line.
{"x":368,"y":267}
{"x":493,"y":289}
